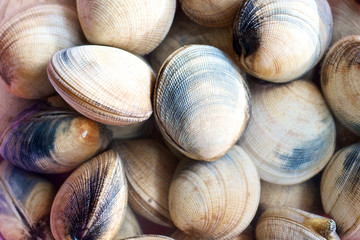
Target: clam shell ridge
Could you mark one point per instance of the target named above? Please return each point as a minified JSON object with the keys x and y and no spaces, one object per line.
{"x":91,"y":203}
{"x":291,"y":134}
{"x":215,"y":200}
{"x":279,"y":41}
{"x":106,"y":84}
{"x":51,"y":140}
{"x":201,"y":102}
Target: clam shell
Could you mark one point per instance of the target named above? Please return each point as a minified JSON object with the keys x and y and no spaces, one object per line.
{"x":247,"y":234}
{"x":52,"y":140}
{"x":91,"y":203}
{"x":106,"y":84}
{"x":339,"y":81}
{"x":25,"y":203}
{"x":149,"y":168}
{"x":201,"y":102}
{"x":291,"y":134}
{"x":215,"y":200}
{"x":281,"y":40}
{"x":130,"y":227}
{"x":340,"y":191}
{"x":47,"y":29}
{"x":134,"y":25}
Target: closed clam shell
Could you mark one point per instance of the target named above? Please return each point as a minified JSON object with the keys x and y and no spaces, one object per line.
{"x":340,"y":191}
{"x":106,"y":84}
{"x":149,"y":168}
{"x":130,"y":227}
{"x":281,"y":40}
{"x":133,"y":25}
{"x":29,"y":40}
{"x":91,"y":203}
{"x":339,"y":81}
{"x":25,"y":203}
{"x":211,"y":13}
{"x":51,"y":140}
{"x":215,"y":200}
{"x":201,"y":102}
{"x":247,"y":234}
{"x":294,"y":224}
{"x":291,"y":134}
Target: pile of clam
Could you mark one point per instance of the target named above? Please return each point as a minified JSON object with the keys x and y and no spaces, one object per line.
{"x":158,"y":119}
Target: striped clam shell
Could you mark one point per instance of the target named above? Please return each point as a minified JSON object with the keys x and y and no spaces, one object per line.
{"x":201,"y":102}
{"x":25,"y":203}
{"x":291,"y":134}
{"x":106,"y":84}
{"x":339,"y":81}
{"x":91,"y":203}
{"x":340,"y":191}
{"x":51,"y":140}
{"x":281,"y":40}
{"x":215,"y":200}
{"x":247,"y":234}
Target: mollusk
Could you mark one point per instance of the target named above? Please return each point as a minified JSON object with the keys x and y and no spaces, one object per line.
{"x":25,"y":203}
{"x":91,"y":203}
{"x":106,"y":84}
{"x":247,"y":234}
{"x":215,"y":200}
{"x":133,"y":25}
{"x":130,"y":227}
{"x":29,"y":40}
{"x":279,"y":41}
{"x":291,"y":133}
{"x":201,"y":102}
{"x":52,"y":140}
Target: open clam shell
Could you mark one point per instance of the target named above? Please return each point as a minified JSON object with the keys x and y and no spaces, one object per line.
{"x":91,"y":203}
{"x":106,"y":84}
{"x":201,"y":102}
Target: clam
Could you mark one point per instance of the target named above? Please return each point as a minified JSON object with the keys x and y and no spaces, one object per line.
{"x":340,"y":191}
{"x":291,"y":134}
{"x":149,"y":168}
{"x":134,"y":25}
{"x":130,"y":227}
{"x":215,"y":200}
{"x":247,"y":234}
{"x":211,"y":13}
{"x":201,"y":102}
{"x":281,"y":40}
{"x":294,"y":224}
{"x":91,"y":203}
{"x":106,"y":84}
{"x":51,"y":140}
{"x":339,"y":81}
{"x":25,"y":203}
{"x":29,"y":40}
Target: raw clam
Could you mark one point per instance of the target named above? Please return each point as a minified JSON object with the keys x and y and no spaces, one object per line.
{"x":201,"y":102}
{"x":135,"y":25}
{"x":91,"y":203}
{"x":215,"y":200}
{"x":149,"y":168}
{"x":294,"y":224}
{"x":52,"y":140}
{"x":339,"y":81}
{"x":291,"y":134}
{"x":340,"y":191}
{"x":25,"y":203}
{"x":106,"y":84}
{"x":211,"y":13}
{"x":279,"y":41}
{"x":29,"y":40}
{"x":130,"y":227}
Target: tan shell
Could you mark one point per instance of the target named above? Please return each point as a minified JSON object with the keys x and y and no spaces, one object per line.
{"x":339,"y":81}
{"x":215,"y":200}
{"x":291,"y":133}
{"x":106,"y":84}
{"x":294,"y":224}
{"x":340,"y":191}
{"x":133,"y":25}
{"x":211,"y":13}
{"x":149,"y":168}
{"x":47,"y":29}
{"x":91,"y":203}
{"x":247,"y":234}
{"x":130,"y":227}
